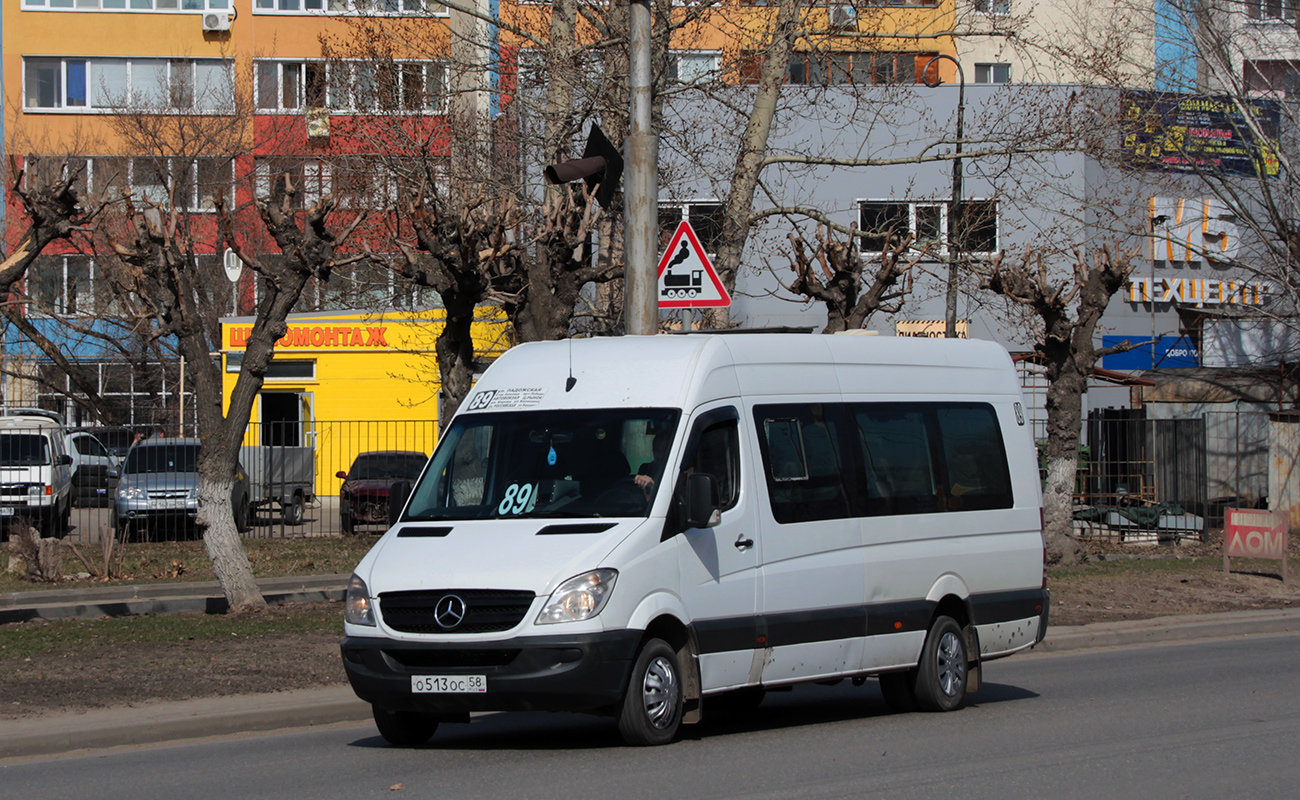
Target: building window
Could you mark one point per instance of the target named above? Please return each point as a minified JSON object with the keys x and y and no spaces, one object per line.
{"x":203,"y":85}
{"x":839,"y":68}
{"x":62,"y":285}
{"x":993,"y":73}
{"x":357,"y":7}
{"x":1271,"y":10}
{"x":392,"y":86}
{"x":194,"y":184}
{"x":1276,"y":79}
{"x":686,"y":66}
{"x":974,"y":226}
{"x":705,"y":218}
{"x":998,"y":7}
{"x":357,"y":182}
{"x":119,"y":6}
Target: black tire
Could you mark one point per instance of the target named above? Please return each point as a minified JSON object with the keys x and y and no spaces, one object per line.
{"x":404,"y":728}
{"x":65,"y":521}
{"x":897,"y":689}
{"x":293,"y":511}
{"x":941,"y":675}
{"x":651,"y":711}
{"x":345,"y":522}
{"x":243,"y":516}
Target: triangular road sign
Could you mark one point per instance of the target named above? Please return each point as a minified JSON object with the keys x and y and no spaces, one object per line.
{"x":686,"y":278}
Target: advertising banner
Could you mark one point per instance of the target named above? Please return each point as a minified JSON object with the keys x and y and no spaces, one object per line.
{"x":1190,"y":133}
{"x":1163,"y":352}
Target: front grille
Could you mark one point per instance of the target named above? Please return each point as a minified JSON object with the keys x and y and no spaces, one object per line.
{"x":448,"y":659}
{"x":168,"y":494}
{"x":486,"y":610}
{"x":13,"y":490}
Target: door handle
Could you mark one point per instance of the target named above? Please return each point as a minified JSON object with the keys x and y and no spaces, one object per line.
{"x":742,"y":543}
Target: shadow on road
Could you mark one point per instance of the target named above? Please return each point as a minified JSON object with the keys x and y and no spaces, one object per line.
{"x":804,"y":705}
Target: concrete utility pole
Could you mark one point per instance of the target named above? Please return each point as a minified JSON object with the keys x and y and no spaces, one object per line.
{"x":641,"y":197}
{"x":954,"y":210}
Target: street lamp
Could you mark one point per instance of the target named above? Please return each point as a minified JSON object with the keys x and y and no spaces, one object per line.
{"x":950,"y":318}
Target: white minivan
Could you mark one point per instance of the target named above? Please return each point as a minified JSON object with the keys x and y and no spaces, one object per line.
{"x":642,"y":526}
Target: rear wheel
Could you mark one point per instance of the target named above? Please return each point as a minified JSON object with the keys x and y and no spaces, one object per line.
{"x":652,"y":706}
{"x":404,"y":728}
{"x":941,"y":675}
{"x":292,"y":511}
{"x":345,"y":521}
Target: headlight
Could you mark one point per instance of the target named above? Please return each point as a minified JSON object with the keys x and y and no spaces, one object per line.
{"x":357,"y":610}
{"x":131,"y":493}
{"x":580,"y":597}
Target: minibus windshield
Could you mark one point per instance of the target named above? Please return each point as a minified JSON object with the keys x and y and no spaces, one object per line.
{"x":546,"y":464}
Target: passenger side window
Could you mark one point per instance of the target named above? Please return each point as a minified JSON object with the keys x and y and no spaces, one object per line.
{"x":800,"y":446}
{"x":897,"y":460}
{"x":978,"y":477}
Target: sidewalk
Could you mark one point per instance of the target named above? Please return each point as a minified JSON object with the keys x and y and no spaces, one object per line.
{"x":162,"y":722}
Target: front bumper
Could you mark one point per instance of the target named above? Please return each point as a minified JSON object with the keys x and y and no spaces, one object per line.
{"x":583,"y":672}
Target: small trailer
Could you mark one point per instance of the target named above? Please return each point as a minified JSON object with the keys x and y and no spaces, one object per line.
{"x":282,"y":475}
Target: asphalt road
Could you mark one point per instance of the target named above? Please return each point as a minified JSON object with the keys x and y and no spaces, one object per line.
{"x":1201,"y":719}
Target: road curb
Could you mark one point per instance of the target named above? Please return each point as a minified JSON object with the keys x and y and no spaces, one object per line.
{"x":179,"y":721}
{"x":159,"y":598}
{"x":1170,"y":629}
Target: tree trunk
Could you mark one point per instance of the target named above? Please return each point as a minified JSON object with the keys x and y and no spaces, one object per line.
{"x":221,"y":540}
{"x":1064,"y":406}
{"x":455,"y":351}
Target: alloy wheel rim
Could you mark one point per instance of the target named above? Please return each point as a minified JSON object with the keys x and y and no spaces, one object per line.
{"x":952,"y":667}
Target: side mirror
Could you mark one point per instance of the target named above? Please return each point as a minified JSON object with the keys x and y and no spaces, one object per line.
{"x":341,"y":474}
{"x":65,"y":459}
{"x":398,"y":492}
{"x":113,"y":473}
{"x":697,"y":502}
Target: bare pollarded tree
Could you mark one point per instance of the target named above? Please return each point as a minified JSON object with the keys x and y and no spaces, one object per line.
{"x":1065,"y":311}
{"x":843,"y":285}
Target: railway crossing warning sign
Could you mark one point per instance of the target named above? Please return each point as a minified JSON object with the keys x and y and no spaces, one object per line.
{"x":686,"y":278}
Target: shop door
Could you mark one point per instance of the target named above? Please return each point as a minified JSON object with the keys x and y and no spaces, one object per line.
{"x":286,"y":419}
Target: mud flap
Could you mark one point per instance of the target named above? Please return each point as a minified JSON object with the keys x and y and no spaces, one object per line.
{"x":973,"y":658}
{"x":691,"y":705}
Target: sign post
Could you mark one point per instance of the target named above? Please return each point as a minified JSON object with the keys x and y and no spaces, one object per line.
{"x":687,"y":279}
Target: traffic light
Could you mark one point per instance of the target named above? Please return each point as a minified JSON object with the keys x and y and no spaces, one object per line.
{"x":601,"y":163}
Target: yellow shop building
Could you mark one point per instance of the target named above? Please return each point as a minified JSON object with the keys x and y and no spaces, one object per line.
{"x":344,"y":382}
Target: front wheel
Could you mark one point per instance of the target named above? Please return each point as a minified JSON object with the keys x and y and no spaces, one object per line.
{"x":941,"y":675}
{"x":404,"y":728}
{"x":651,"y":711}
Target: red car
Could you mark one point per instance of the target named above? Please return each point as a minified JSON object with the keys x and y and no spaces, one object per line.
{"x":363,"y":498}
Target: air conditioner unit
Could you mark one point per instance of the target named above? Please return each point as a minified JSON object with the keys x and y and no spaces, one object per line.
{"x":843,"y":17}
{"x":213,"y":21}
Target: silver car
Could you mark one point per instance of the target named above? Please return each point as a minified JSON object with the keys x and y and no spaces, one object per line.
{"x":158,"y":490}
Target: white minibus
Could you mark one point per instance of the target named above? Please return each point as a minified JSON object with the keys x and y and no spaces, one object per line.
{"x":646,"y":527}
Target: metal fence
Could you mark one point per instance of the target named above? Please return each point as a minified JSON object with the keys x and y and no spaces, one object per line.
{"x":1159,"y":479}
{"x":293,"y":485}
{"x":1142,"y":479}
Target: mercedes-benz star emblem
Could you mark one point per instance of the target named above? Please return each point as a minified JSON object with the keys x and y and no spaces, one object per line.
{"x":449,"y":612}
